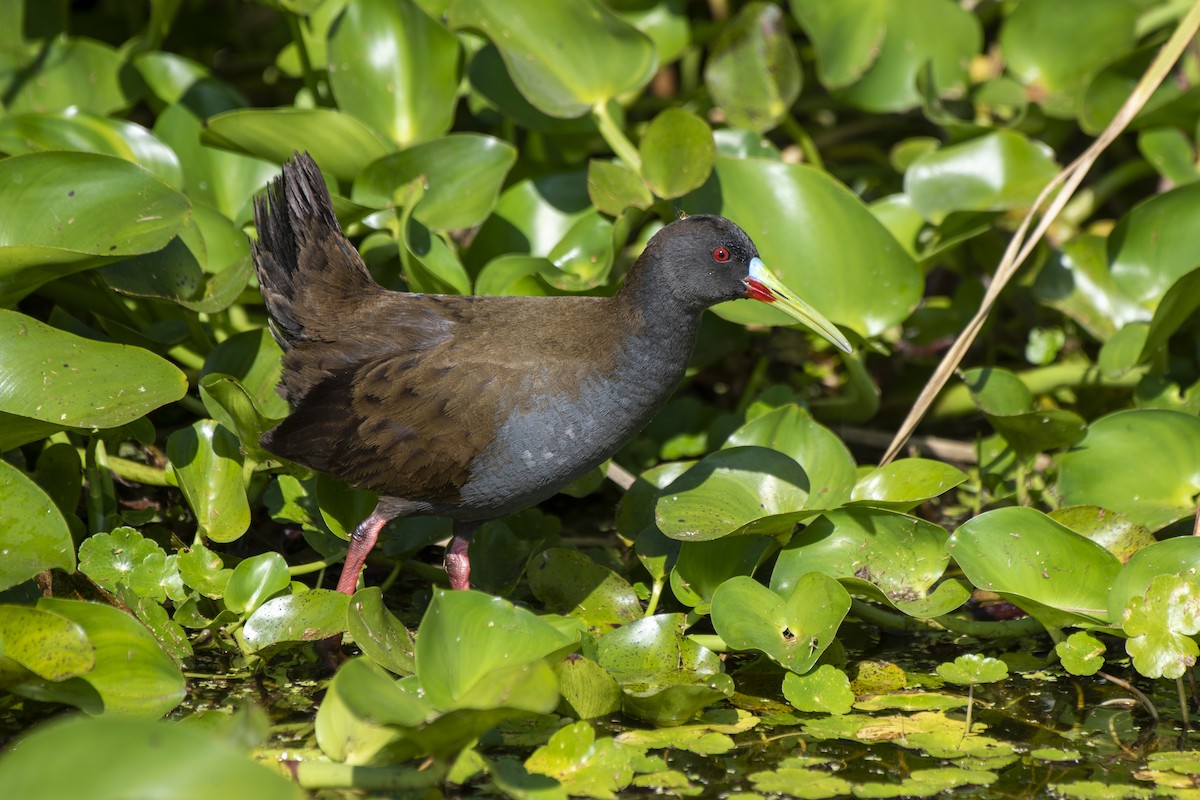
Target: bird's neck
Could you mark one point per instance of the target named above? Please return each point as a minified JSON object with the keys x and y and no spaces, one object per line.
{"x":655,"y":321}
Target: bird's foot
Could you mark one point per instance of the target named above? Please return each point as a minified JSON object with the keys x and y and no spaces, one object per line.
{"x":458,"y":563}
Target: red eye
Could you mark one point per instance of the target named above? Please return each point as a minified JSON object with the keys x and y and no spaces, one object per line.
{"x":721,"y":254}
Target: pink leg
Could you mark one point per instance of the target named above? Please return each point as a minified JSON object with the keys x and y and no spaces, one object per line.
{"x":458,"y":560}
{"x":361,"y":541}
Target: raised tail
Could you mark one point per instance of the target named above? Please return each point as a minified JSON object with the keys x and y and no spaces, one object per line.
{"x":307,"y":269}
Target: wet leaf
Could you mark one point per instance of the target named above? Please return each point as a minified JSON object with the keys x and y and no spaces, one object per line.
{"x":207,"y":462}
{"x":308,"y":617}
{"x":906,"y":483}
{"x":1161,"y":625}
{"x":33,"y":534}
{"x":1178,"y":556}
{"x":41,"y":643}
{"x":825,"y":690}
{"x":255,"y":580}
{"x":973,"y":669}
{"x":582,"y":764}
{"x":701,"y":567}
{"x":568,"y":582}
{"x":753,"y":72}
{"x":1081,"y":653}
{"x":677,"y":153}
{"x":378,"y":633}
{"x":588,"y":690}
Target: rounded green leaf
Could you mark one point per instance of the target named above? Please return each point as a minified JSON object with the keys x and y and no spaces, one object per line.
{"x":846,"y":35}
{"x":793,"y":631}
{"x":462,"y":173}
{"x":514,"y":275}
{"x":1179,"y":556}
{"x":1161,"y":626}
{"x":1152,"y":246}
{"x":566,"y":57}
{"x":905,"y":484}
{"x":654,"y":650}
{"x":231,"y":405}
{"x":82,"y":383}
{"x":701,"y":568}
{"x":307,"y":617}
{"x":115,"y":757}
{"x":998,"y":171}
{"x":826,"y":690}
{"x":533,"y":215}
{"x":1165,"y":446}
{"x":1115,"y":532}
{"x":568,"y":582}
{"x":973,"y":669}
{"x":50,"y":646}
{"x":886,"y":556}
{"x":382,"y":638}
{"x":1049,"y":571}
{"x":395,"y":68}
{"x":253,"y":358}
{"x":76,"y":210}
{"x":465,"y":636}
{"x":1055,"y":49}
{"x":1077,"y":282}
{"x":132,"y":674}
{"x":584,"y":256}
{"x":1081,"y":653}
{"x":74,"y":129}
{"x":614,"y":187}
{"x":254,"y":580}
{"x":587,"y":690}
{"x":753,"y":71}
{"x":677,"y":152}
{"x":52,"y":78}
{"x":818,"y":237}
{"x":730,"y":489}
{"x":33,"y":534}
{"x":341,"y":144}
{"x":582,"y":764}
{"x":207,"y":463}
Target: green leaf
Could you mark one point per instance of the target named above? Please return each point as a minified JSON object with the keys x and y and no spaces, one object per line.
{"x":973,"y":669}
{"x":753,"y":71}
{"x":1081,"y":653}
{"x":132,"y":674}
{"x":614,"y":187}
{"x":341,"y":144}
{"x":462,"y":173}
{"x":78,"y":210}
{"x":588,"y":691}
{"x":1177,"y":308}
{"x":1049,"y":571}
{"x":307,"y":617}
{"x":1152,"y":247}
{"x":1077,"y":282}
{"x":253,"y":358}
{"x":203,"y":570}
{"x":815,"y":234}
{"x":568,"y":582}
{"x":565,"y":57}
{"x":1161,"y":625}
{"x":1056,"y":49}
{"x":582,"y":764}
{"x":825,"y":690}
{"x":82,"y":383}
{"x":846,"y":35}
{"x":53,"y":73}
{"x":584,"y":256}
{"x":45,"y":644}
{"x":533,"y":215}
{"x":207,"y":462}
{"x":465,"y":636}
{"x":792,"y":630}
{"x":1179,"y":556}
{"x":122,"y":757}
{"x":255,"y":580}
{"x":395,"y":68}
{"x":382,"y":638}
{"x":998,"y":171}
{"x":1165,"y":446}
{"x":904,"y":484}
{"x":700,"y":568}
{"x":677,"y":153}
{"x":33,"y":534}
{"x":126,"y":557}
{"x":228,"y":402}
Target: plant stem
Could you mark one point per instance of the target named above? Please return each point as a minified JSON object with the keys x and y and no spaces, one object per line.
{"x":802,"y":138}
{"x":328,"y":775}
{"x":710,"y":640}
{"x":1016,"y":628}
{"x":310,"y":76}
{"x":312,"y":566}
{"x":616,"y":137}
{"x":655,"y":594}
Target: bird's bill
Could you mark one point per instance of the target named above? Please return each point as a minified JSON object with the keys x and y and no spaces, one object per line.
{"x":762,"y":285}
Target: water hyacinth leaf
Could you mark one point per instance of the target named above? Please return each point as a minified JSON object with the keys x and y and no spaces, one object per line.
{"x":254,"y":580}
{"x":207,"y":463}
{"x":700,"y":568}
{"x":1037,"y":431}
{"x":664,"y":21}
{"x":791,"y":430}
{"x":493,"y":87}
{"x":568,"y":582}
{"x":906,"y":483}
{"x":825,"y":690}
{"x":365,"y":712}
{"x":340,"y":144}
{"x":132,"y":674}
{"x":78,"y":210}
{"x":533,"y":215}
{"x":173,"y":78}
{"x":1170,"y":152}
{"x":1164,"y":444}
{"x":847,"y":36}
{"x":1161,"y":626}
{"x":614,"y":187}
{"x":253,"y":358}
{"x":342,"y":506}
{"x":228,"y":402}
{"x":935,"y":36}
{"x":584,"y":256}
{"x":677,"y":153}
{"x":567,"y":57}
{"x":582,"y":764}
{"x":818,"y":237}
{"x":378,"y":633}
{"x":792,"y":631}
{"x":514,"y":275}
{"x":203,"y":269}
{"x":1177,"y":307}
{"x":54,"y":72}
{"x":108,"y":757}
{"x":739,"y":490}
{"x":307,"y":617}
{"x":84,"y":383}
{"x":1055,"y":50}
{"x":34,"y":536}
{"x":75,"y":129}
{"x":998,"y":171}
{"x":463,"y":174}
{"x":998,"y":392}
{"x":495,"y":633}
{"x":42,"y":644}
{"x":1178,"y":556}
{"x":753,"y":72}
{"x":1077,"y":282}
{"x":1151,"y":248}
{"x":887,"y":556}
{"x":59,"y":473}
{"x":395,"y":68}
{"x":1047,"y":570}
{"x":588,"y":690}
{"x":1115,"y":532}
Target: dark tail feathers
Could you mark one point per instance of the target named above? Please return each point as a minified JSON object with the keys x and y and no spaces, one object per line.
{"x":296,"y":229}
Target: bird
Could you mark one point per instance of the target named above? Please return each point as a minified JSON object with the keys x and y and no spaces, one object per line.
{"x":473,"y":408}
